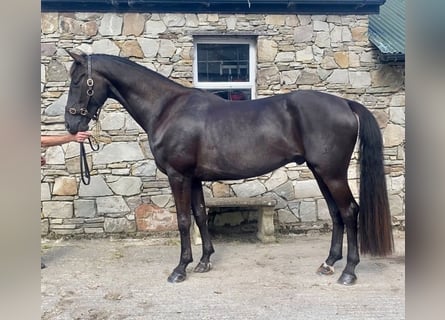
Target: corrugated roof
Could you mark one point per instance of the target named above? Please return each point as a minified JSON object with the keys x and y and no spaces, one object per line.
{"x":387,"y":30}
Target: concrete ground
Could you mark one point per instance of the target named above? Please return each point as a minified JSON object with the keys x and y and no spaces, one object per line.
{"x":127,"y":279}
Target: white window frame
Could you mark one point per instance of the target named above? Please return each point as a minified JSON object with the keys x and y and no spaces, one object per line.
{"x":251,"y":84}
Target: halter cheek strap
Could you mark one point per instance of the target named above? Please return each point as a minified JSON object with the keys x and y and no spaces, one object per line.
{"x":90,"y":92}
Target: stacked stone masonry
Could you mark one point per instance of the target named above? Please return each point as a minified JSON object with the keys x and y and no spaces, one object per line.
{"x":128,"y":194}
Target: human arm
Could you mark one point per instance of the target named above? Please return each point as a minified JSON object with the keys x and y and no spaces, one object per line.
{"x":49,"y":141}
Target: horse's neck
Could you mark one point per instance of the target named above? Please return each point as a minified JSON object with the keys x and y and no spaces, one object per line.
{"x":143,"y":95}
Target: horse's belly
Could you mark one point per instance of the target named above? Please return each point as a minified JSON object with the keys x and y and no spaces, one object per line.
{"x":245,"y":164}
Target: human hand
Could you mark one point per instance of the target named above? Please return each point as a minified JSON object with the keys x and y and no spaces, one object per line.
{"x":81,"y":136}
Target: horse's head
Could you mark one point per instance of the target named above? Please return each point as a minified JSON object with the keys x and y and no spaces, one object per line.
{"x":87,"y":93}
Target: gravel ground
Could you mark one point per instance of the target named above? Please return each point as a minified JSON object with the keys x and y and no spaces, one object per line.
{"x":127,"y":279}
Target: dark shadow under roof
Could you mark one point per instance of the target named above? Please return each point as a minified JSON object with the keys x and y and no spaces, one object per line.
{"x":387,"y":30}
{"x":216,"y":6}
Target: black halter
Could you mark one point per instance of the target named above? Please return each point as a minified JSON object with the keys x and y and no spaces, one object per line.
{"x":90,"y":92}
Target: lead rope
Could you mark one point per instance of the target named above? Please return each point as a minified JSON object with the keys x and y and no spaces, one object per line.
{"x":93,"y":141}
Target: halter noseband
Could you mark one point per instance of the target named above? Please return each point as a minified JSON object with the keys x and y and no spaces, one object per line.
{"x":90,"y":92}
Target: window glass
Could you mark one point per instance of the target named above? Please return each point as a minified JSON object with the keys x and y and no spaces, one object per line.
{"x":223,"y":62}
{"x":225,"y":66}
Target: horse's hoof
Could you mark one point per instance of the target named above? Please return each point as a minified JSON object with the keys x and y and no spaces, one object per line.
{"x":202,"y":267}
{"x":325,"y":270}
{"x":176,"y":277}
{"x":347,"y":279}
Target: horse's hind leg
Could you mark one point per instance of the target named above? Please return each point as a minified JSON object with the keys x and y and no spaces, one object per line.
{"x":199,"y":212}
{"x":348,"y":208}
{"x":335,"y":252}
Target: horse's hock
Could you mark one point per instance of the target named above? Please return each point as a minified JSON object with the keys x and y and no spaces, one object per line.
{"x":264,"y":205}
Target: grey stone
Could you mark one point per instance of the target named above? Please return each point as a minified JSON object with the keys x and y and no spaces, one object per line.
{"x":308,"y":77}
{"x":55,"y":155}
{"x":105,"y":46}
{"x":328,"y":63}
{"x":84,"y":208}
{"x":57,"y":71}
{"x":96,"y":188}
{"x":306,"y":189}
{"x":285,"y":57}
{"x":57,"y":108}
{"x":153,"y":27}
{"x":307,"y":211}
{"x":270,"y":74}
{"x":286,"y":191}
{"x":393,"y":135}
{"x":45,"y":193}
{"x":305,"y":55}
{"x":145,"y":169}
{"x":303,"y":33}
{"x":397,"y":115}
{"x":267,"y":50}
{"x":339,"y":76}
{"x":118,"y":152}
{"x":44,"y":227}
{"x":112,"y":205}
{"x":397,"y":184}
{"x":278,"y":177}
{"x":322,"y":39}
{"x":290,"y":77}
{"x":285,"y":216}
{"x":150,"y":47}
{"x":126,"y":186}
{"x":47,"y":49}
{"x":360,"y":79}
{"x":112,"y":121}
{"x":249,"y":189}
{"x":174,"y":20}
{"x":161,"y":200}
{"x":57,"y":209}
{"x":324,"y":74}
{"x":191,"y":20}
{"x":396,"y":205}
{"x":111,"y":25}
{"x":49,"y":22}
{"x":119,"y":225}
{"x":397,"y":100}
{"x":166,"y":48}
{"x":231,"y":22}
{"x":322,"y":210}
{"x":321,"y":26}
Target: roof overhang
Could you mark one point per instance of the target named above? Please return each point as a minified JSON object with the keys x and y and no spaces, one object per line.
{"x":387,"y":31}
{"x":216,"y":6}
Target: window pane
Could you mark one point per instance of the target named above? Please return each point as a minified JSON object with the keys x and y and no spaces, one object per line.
{"x":233,"y":94}
{"x":223,"y":62}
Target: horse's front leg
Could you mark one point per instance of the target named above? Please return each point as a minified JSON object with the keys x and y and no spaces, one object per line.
{"x":199,"y":212}
{"x":181,"y":189}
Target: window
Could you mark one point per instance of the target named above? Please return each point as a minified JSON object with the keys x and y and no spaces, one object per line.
{"x":225,"y":66}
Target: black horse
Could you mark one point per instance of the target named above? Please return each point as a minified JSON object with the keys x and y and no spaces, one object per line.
{"x":197,"y":136}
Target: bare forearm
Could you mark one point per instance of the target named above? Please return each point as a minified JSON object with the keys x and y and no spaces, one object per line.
{"x":49,"y":141}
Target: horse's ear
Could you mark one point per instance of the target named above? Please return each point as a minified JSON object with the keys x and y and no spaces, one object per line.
{"x":79,"y":58}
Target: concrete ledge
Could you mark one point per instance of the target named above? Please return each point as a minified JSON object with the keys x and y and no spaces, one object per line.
{"x":264,"y":205}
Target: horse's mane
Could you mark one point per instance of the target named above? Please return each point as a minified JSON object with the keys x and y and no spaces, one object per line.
{"x":127,"y":63}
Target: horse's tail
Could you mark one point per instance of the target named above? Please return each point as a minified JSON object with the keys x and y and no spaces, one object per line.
{"x":375,"y":229}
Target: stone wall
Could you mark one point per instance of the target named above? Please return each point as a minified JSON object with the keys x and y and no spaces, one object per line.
{"x":127,"y":193}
